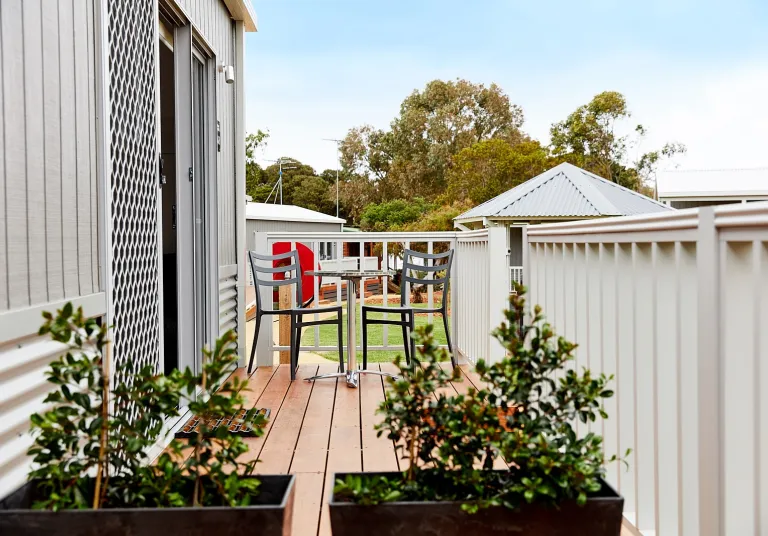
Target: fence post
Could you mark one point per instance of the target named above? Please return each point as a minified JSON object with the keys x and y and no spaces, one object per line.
{"x":710,"y":395}
{"x":454,"y":304}
{"x":526,"y":279}
{"x":264,"y":347}
{"x":498,"y":301}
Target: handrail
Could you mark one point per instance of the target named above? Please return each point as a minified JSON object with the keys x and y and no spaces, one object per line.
{"x":366,"y":236}
{"x":671,"y":221}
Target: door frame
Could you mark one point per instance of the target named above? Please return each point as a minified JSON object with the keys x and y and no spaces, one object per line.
{"x":189,"y":298}
{"x":210,"y":302}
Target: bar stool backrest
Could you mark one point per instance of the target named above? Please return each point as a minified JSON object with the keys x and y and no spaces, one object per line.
{"x":290,"y":267}
{"x":409,"y":265}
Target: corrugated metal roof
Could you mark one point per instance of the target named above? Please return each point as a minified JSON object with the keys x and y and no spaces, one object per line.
{"x":565,"y":191}
{"x":269,"y":211}
{"x":712,"y":182}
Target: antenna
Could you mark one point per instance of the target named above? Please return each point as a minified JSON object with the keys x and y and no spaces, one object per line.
{"x":277,"y":189}
{"x":338,"y":157}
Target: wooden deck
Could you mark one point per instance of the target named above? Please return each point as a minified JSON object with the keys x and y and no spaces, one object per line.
{"x":318,"y":428}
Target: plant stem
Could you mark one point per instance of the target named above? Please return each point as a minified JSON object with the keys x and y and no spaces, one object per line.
{"x":97,"y":494}
{"x":412,"y":454}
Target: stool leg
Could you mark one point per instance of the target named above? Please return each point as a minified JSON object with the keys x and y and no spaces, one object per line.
{"x":341,"y":343}
{"x":448,"y":338}
{"x":406,"y":343}
{"x":364,"y":328}
{"x":411,"y":326}
{"x":295,"y":344}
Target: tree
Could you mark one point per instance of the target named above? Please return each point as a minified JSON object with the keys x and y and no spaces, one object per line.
{"x":588,"y":138}
{"x":392,"y":215}
{"x":491,"y":167}
{"x":356,"y":192}
{"x":254,"y":175}
{"x":314,"y":193}
{"x":647,"y":164}
{"x":293,"y":175}
{"x":414,"y":156}
{"x":438,"y":219}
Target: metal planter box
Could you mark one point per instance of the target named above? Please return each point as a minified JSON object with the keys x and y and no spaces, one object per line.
{"x":270,"y":515}
{"x":601,"y":516}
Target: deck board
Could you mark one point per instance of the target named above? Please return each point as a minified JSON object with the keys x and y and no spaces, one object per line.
{"x":378,"y":452}
{"x":272,"y":398}
{"x":277,"y":452}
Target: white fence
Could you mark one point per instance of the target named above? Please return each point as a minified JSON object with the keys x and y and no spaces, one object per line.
{"x":478,"y":265}
{"x":515,"y":275}
{"x":676,"y":306}
{"x":481,"y":277}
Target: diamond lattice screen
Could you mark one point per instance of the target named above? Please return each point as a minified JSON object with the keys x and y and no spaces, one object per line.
{"x":134,"y":190}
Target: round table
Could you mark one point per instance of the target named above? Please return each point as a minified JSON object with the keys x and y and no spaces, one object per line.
{"x":353,"y":278}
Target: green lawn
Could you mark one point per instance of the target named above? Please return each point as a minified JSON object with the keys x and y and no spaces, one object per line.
{"x":375,"y":336}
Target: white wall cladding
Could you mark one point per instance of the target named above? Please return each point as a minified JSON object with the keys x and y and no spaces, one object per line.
{"x":48,"y":232}
{"x":676,"y":306}
{"x":49,"y":239}
{"x":133,"y":145}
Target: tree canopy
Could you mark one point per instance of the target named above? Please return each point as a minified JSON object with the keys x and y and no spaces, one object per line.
{"x":491,"y":167}
{"x":588,"y":138}
{"x":453,"y":145}
{"x":414,"y":156}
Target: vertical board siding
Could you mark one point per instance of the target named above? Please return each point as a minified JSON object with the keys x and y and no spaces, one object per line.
{"x":3,"y":180}
{"x":93,"y":182}
{"x":687,"y":352}
{"x":48,"y":223}
{"x":48,"y":204}
{"x":34,"y":142}
{"x":640,"y":300}
{"x":761,"y":379}
{"x":68,"y":150}
{"x":52,"y":153}
{"x":738,"y":284}
{"x":17,"y":261}
{"x":666,"y":402}
{"x":82,"y":149}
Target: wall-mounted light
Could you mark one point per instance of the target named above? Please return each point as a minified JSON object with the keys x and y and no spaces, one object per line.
{"x":229,"y":73}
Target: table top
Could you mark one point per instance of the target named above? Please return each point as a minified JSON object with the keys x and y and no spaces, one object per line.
{"x":351,"y":274}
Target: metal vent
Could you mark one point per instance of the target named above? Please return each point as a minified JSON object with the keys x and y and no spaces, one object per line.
{"x":133,"y":146}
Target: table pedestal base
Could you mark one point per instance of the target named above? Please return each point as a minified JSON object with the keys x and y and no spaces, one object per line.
{"x":352,"y":377}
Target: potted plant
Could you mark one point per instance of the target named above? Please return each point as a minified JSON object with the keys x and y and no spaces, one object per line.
{"x":90,"y":473}
{"x":526,"y":416}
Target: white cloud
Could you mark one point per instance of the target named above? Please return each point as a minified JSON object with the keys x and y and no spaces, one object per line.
{"x":720,"y":116}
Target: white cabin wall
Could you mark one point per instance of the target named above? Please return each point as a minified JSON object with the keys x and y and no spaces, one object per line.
{"x":49,"y":222}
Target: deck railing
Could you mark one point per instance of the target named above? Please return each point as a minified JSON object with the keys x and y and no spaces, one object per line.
{"x":676,"y":306}
{"x":479,"y":261}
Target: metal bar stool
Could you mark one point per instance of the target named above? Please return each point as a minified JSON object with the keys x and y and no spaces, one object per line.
{"x":407,"y":313}
{"x":291,"y":268}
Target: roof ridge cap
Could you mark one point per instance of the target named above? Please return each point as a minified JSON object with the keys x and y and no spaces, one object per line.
{"x":590,"y":192}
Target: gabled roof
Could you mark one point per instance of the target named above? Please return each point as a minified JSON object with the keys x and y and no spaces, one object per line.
{"x":270,"y":211}
{"x":565,"y":191}
{"x":713,"y":182}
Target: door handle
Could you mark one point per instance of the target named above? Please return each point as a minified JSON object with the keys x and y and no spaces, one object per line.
{"x":161,"y":170}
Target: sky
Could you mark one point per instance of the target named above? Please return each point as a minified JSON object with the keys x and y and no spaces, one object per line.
{"x":693,"y":71}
